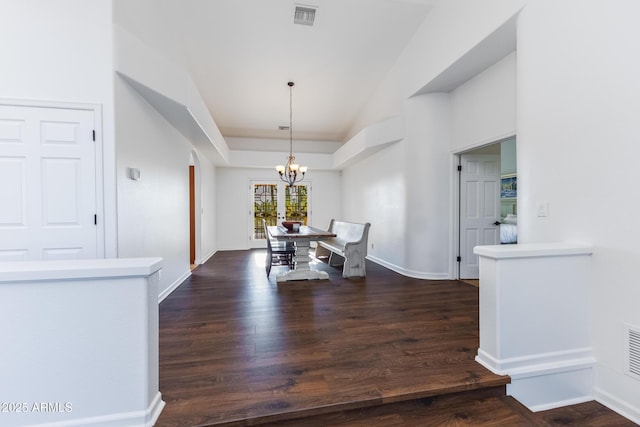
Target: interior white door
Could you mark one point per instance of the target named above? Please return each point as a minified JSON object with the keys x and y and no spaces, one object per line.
{"x":276,"y":202}
{"x":48,"y":191}
{"x":479,"y":208}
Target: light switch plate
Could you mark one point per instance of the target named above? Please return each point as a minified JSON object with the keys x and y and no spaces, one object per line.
{"x":542,"y":208}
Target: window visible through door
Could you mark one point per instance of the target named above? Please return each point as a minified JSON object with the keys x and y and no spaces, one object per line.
{"x":276,"y":202}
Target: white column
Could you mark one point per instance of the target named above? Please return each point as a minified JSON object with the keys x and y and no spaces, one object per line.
{"x":80,"y":342}
{"x":534,"y":321}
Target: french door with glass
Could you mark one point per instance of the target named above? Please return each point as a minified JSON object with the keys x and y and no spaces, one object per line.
{"x":276,"y":202}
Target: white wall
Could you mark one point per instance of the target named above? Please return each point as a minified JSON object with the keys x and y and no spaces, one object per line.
{"x":379,"y":198}
{"x":81,"y":335}
{"x":208,"y":216}
{"x":412,"y":218}
{"x":233,"y":201}
{"x":153,"y":212}
{"x":462,"y":24}
{"x":508,"y":156}
{"x":60,"y":51}
{"x":403,"y":192}
{"x":578,"y":99}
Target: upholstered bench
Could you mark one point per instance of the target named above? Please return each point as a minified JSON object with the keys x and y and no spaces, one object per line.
{"x":348,"y":248}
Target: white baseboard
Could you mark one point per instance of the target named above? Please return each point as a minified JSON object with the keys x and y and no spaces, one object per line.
{"x":409,"y":273}
{"x":547,"y":380}
{"x":617,"y":405}
{"x":146,"y":418}
{"x":538,"y":364}
{"x":553,"y":389}
{"x":560,"y":403}
{"x":173,"y":286}
{"x":206,"y":257}
{"x":154,"y":410}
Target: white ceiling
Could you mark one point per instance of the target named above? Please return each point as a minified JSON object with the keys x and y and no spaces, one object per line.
{"x":242,"y":53}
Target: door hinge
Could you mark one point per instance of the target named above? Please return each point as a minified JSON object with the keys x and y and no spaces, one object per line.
{"x":93,"y":135}
{"x":95,"y":220}
{"x":459,"y":168}
{"x":459,"y":259}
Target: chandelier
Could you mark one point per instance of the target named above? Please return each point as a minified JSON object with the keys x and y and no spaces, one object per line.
{"x":291,"y":172}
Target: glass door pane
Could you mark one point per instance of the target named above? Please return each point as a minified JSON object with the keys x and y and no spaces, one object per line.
{"x":296,"y":202}
{"x":276,"y":202}
{"x":265,"y":206}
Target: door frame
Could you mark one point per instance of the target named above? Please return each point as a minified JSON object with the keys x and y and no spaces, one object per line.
{"x":192,"y":215}
{"x":487,"y":220}
{"x":454,"y":232}
{"x":195,"y":217}
{"x":103,"y":247}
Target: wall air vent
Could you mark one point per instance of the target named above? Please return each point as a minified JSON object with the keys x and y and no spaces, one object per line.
{"x":304,"y":15}
{"x":632,"y":351}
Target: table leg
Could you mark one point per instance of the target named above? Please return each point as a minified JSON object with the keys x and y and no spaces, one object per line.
{"x":302,"y":269}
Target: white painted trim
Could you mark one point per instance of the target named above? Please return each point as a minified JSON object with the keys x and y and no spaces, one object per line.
{"x":29,"y":271}
{"x":145,"y":418}
{"x":409,"y":273}
{"x":153,"y":413}
{"x":197,"y":191}
{"x":551,"y":389}
{"x":454,"y":191}
{"x":497,"y":139}
{"x":560,"y":403}
{"x":454,"y":224}
{"x":616,"y":404}
{"x":208,"y":256}
{"x":368,"y":141}
{"x":538,"y":364}
{"x":533,"y":250}
{"x":173,"y":286}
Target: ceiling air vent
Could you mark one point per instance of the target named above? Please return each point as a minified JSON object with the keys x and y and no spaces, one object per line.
{"x":632,"y":351}
{"x":304,"y":15}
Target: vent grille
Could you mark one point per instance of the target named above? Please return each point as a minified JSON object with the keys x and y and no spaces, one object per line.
{"x":304,"y":15}
{"x":632,"y":351}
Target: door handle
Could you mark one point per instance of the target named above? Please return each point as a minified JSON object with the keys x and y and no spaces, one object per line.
{"x":497,"y":223}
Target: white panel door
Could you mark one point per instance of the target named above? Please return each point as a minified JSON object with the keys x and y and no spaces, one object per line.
{"x":479,"y":208}
{"x":48,"y":191}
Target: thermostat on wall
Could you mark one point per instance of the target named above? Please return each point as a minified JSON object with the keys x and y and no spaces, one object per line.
{"x":134,"y":174}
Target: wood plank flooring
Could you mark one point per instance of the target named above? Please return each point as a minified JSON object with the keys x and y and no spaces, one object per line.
{"x":237,"y":348}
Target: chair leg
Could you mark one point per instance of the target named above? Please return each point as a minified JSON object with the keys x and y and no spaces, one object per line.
{"x":267,"y":263}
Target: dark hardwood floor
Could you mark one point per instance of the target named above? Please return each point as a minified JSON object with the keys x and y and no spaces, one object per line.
{"x":237,"y":348}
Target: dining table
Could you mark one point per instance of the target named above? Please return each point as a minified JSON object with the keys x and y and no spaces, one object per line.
{"x":301,"y":240}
